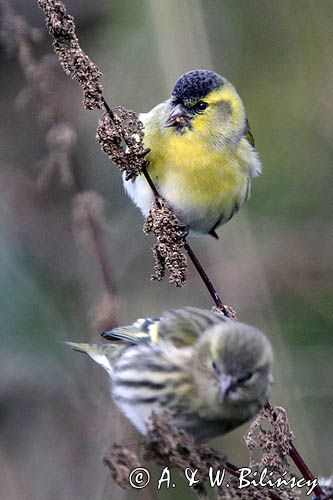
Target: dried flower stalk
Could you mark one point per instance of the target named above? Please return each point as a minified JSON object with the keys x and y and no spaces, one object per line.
{"x":60,"y":140}
{"x":88,"y":219}
{"x":268,"y":441}
{"x":121,"y":461}
{"x":18,"y":36}
{"x":72,"y":58}
{"x":270,"y":432}
{"x":227,"y":311}
{"x":164,"y":224}
{"x":121,"y":138}
{"x":173,"y":448}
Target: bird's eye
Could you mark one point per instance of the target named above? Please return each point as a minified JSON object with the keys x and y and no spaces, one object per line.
{"x":245,"y":378}
{"x":200,"y":106}
{"x":215,"y":368}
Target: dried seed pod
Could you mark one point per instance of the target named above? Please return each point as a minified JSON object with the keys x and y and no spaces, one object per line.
{"x":170,"y":234}
{"x":73,"y":59}
{"x":121,"y":138}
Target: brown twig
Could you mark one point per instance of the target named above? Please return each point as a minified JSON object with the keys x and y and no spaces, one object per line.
{"x":303,"y":468}
{"x":102,"y":258}
{"x":294,"y":454}
{"x":88,"y":219}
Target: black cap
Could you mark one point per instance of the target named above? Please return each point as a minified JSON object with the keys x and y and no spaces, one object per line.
{"x":195,"y":85}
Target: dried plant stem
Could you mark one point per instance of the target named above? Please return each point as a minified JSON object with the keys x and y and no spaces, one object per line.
{"x":174,"y":448}
{"x":303,"y":468}
{"x":298,"y":460}
{"x":99,"y":247}
{"x":107,"y":108}
{"x":150,"y":182}
{"x":195,"y":261}
{"x":203,"y":275}
{"x":234,"y":471}
{"x":101,"y":256}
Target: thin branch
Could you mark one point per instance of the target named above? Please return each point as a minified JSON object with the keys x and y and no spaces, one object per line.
{"x":303,"y":468}
{"x":101,"y":256}
{"x":150,"y":182}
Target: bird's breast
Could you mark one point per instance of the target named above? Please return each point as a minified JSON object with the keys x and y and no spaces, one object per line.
{"x":203,"y":185}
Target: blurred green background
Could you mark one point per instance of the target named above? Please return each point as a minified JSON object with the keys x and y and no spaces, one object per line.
{"x":273,"y":262}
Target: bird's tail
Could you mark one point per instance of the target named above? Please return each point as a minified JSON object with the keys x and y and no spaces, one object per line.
{"x":103,"y":354}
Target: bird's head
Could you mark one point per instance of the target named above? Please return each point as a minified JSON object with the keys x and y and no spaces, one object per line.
{"x":205,"y":103}
{"x":235,"y":362}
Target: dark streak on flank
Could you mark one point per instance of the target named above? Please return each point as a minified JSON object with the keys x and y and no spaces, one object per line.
{"x":152,"y":367}
{"x":136,"y":399}
{"x":139,"y":383}
{"x":161,"y":400}
{"x":149,"y":384}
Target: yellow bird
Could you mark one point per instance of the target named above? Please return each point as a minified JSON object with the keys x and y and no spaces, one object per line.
{"x":202,"y":155}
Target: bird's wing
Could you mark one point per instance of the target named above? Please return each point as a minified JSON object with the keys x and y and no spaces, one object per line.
{"x":180,"y":327}
{"x":103,"y":354}
{"x":248,"y":133}
{"x":183,"y":327}
{"x":142,"y":331}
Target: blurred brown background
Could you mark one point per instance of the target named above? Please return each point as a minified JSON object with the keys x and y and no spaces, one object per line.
{"x":273,"y":262}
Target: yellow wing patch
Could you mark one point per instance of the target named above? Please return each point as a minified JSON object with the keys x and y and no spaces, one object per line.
{"x":153,"y":331}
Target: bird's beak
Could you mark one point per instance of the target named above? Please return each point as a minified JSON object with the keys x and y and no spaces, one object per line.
{"x":225,"y":382}
{"x":179,"y":117}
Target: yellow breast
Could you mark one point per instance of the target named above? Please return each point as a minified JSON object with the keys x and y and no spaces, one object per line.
{"x":187,"y":169}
